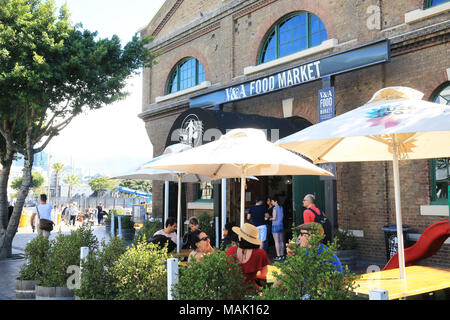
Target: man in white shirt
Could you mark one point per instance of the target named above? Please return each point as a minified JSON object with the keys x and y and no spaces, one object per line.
{"x":43,"y":211}
{"x":170,"y":230}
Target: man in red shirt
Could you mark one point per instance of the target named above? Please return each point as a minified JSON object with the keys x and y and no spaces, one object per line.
{"x":308,"y":203}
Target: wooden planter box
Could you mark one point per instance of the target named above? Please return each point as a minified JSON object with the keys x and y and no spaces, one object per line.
{"x":54,"y":293}
{"x":25,"y":289}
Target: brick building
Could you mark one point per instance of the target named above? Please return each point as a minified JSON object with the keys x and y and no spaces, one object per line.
{"x":209,"y":50}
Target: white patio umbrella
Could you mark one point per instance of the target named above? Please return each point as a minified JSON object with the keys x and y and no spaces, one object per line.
{"x":394,"y":125}
{"x":239,"y":153}
{"x":166,"y":175}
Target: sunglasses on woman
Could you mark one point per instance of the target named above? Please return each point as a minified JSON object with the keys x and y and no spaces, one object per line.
{"x":204,"y":239}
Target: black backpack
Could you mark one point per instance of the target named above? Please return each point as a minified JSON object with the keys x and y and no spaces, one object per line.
{"x":161,"y":240}
{"x":325,"y":222}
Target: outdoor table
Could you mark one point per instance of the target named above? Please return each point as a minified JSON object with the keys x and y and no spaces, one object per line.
{"x":270,"y":271}
{"x":184,"y":253}
{"x":418,"y":280}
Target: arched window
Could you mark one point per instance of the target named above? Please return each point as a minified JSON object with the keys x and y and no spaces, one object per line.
{"x":187,"y":73}
{"x":295,"y":32}
{"x":440,"y":168}
{"x":431,"y":3}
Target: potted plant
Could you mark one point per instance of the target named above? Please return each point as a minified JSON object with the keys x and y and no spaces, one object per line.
{"x":127,"y":225}
{"x":64,"y":252}
{"x":140,"y":273}
{"x":97,"y":282}
{"x":310,"y":273}
{"x":216,"y":277}
{"x":346,"y":247}
{"x":36,"y":255}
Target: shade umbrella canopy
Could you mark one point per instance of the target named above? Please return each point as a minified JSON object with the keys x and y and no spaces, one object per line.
{"x":394,"y":125}
{"x":166,"y":175}
{"x":239,"y":153}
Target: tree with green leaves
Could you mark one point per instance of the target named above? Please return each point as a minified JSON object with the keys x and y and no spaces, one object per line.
{"x":36,"y":184}
{"x":71,"y":180}
{"x":100,"y":185}
{"x":58,"y":167}
{"x":137,"y":184}
{"x":50,"y":72}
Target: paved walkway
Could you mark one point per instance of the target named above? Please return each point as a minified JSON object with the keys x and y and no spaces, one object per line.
{"x":9,"y":268}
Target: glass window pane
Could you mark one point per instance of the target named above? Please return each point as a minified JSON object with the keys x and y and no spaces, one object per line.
{"x":436,"y":2}
{"x":270,"y":49}
{"x":442,"y":176}
{"x":186,"y":75}
{"x":441,"y":166}
{"x":296,"y":33}
{"x":173,"y":85}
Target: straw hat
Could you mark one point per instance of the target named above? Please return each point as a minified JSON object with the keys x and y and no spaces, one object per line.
{"x":248,"y":232}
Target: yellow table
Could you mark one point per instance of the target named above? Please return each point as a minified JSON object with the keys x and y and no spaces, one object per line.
{"x":418,"y":280}
{"x":270,"y":271}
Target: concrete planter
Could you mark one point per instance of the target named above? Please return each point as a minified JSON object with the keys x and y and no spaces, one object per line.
{"x":54,"y":293}
{"x":347,"y":257}
{"x":25,"y":289}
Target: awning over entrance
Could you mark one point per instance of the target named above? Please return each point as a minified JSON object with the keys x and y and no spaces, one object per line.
{"x":197,"y":125}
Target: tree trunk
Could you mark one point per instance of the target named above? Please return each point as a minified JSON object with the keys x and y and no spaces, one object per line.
{"x":4,"y":177}
{"x":7,"y":236}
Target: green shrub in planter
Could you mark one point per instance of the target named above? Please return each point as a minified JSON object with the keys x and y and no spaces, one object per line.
{"x":205,"y":223}
{"x":140,"y":273}
{"x":310,"y":275}
{"x":345,"y":240}
{"x":65,"y":252}
{"x":97,"y":282}
{"x":217,"y":277}
{"x":36,"y":256}
{"x":147,"y":231}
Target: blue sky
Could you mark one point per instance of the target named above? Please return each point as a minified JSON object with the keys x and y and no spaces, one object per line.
{"x":112,"y":139}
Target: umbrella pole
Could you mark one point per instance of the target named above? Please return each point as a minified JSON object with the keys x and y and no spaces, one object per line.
{"x":398,"y":211}
{"x":179,"y":227}
{"x":166,"y":201}
{"x":243,"y":196}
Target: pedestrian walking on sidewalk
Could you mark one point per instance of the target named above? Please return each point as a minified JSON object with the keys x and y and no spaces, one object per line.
{"x":44,"y":222}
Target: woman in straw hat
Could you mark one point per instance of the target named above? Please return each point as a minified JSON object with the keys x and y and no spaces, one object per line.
{"x":248,"y":253}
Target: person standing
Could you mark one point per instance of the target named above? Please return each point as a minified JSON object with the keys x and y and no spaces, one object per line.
{"x":257,"y":215}
{"x":314,"y":214}
{"x":277,"y":229}
{"x":73,"y":212}
{"x":44,"y":222}
{"x":100,"y":213}
{"x":269,"y":208}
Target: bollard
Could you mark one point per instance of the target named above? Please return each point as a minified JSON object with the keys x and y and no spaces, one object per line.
{"x":119,"y":225}
{"x":112,"y":225}
{"x":172,"y":276}
{"x":217,"y":232}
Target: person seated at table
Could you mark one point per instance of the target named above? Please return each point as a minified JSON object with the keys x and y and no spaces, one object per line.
{"x":200,"y":242}
{"x":229,"y":237}
{"x":252,"y":259}
{"x":306,"y":230}
{"x":169,"y":231}
{"x":193,"y":225}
